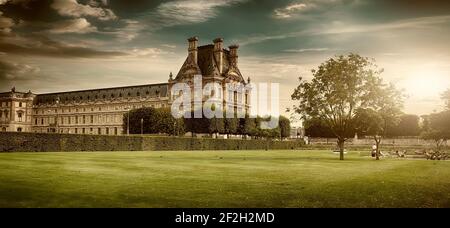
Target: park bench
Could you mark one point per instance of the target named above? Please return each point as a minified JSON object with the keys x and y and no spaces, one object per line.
{"x":337,"y":151}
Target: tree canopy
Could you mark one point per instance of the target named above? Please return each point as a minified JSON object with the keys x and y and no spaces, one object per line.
{"x":339,"y":88}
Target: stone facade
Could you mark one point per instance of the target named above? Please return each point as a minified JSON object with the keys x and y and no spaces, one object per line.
{"x":100,"y":111}
{"x":219,"y":66}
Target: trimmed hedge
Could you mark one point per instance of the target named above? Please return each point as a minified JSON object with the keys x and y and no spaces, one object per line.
{"x":43,"y":142}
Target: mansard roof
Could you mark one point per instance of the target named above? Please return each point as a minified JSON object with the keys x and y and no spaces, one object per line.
{"x":105,"y":94}
{"x":207,"y":64}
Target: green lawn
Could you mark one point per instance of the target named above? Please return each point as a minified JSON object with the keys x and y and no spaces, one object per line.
{"x":219,"y":179}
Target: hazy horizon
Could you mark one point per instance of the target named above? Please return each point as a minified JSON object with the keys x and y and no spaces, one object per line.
{"x":64,"y":45}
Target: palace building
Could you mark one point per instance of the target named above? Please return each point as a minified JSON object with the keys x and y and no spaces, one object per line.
{"x":101,"y":111}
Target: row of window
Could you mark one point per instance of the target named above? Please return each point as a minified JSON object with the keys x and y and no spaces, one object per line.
{"x":19,"y":129}
{"x":104,"y":96}
{"x":92,"y":109}
{"x":4,"y":115}
{"x":7,"y":104}
{"x":79,"y":119}
{"x":97,"y":131}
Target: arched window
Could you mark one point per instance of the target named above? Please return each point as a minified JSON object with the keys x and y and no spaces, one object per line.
{"x":3,"y":129}
{"x":19,"y":129}
{"x":19,"y":116}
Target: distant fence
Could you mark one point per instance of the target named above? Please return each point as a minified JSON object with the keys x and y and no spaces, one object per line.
{"x":43,"y":142}
{"x":406,"y":141}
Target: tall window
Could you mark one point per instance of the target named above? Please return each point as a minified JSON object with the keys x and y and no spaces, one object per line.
{"x":84,"y":119}
{"x":20,"y":104}
{"x":92,"y":119}
{"x":19,"y":115}
{"x":99,"y":131}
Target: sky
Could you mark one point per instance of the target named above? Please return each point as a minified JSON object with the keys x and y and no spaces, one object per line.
{"x":64,"y":45}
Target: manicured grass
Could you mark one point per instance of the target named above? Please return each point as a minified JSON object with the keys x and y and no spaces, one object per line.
{"x":220,"y":179}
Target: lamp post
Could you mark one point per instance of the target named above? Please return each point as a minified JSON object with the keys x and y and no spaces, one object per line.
{"x":128,"y":120}
{"x":57,"y":122}
{"x":142,"y":126}
{"x":174,"y":128}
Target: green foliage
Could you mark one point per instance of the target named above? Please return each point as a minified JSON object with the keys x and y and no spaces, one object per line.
{"x":439,"y":128}
{"x":249,"y":126}
{"x":216,"y":125}
{"x":231,"y":126}
{"x":408,"y":125}
{"x":339,"y":88}
{"x":317,"y":128}
{"x":161,"y":121}
{"x":285,"y":127}
{"x":153,"y":121}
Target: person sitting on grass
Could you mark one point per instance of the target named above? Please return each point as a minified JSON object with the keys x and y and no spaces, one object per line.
{"x":374,"y":150}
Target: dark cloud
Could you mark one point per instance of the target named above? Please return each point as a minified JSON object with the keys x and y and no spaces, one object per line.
{"x":44,"y":46}
{"x":16,"y":72}
{"x":30,"y":10}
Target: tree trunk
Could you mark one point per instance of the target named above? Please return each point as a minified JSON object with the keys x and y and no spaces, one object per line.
{"x":341,"y":143}
{"x":377,"y":143}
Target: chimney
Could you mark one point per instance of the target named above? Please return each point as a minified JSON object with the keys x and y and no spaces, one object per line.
{"x":192,"y":50}
{"x":234,"y":54}
{"x":218,"y":53}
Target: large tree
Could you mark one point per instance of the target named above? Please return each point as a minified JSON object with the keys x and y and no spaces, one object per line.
{"x":438,"y":128}
{"x":285,"y":127}
{"x":383,"y":113}
{"x":339,"y":87}
{"x":408,"y":125}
